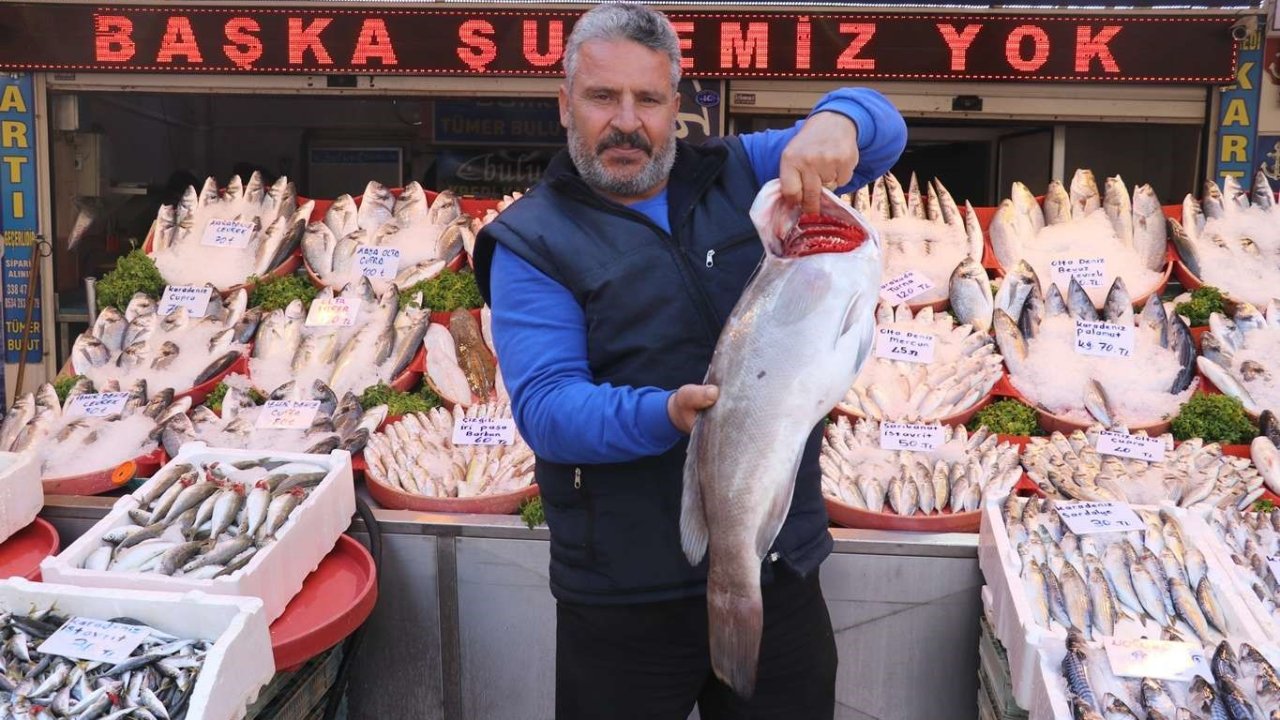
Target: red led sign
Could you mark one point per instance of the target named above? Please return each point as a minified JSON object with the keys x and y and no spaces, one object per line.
{"x":955,"y":46}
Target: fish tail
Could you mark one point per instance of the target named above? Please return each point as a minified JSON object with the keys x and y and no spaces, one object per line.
{"x":735,"y":611}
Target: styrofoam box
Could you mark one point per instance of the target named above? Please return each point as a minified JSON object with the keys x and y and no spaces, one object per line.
{"x":239,"y":662}
{"x":1049,"y":702}
{"x":21,"y":492}
{"x":1209,"y":543}
{"x":1016,"y":628}
{"x":275,"y":574}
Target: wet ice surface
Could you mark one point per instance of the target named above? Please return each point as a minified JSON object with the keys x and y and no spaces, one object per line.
{"x":1091,"y":237}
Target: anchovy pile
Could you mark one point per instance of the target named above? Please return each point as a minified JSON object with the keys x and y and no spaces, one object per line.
{"x":954,"y":477}
{"x":1194,"y":474}
{"x":1238,"y":355}
{"x":965,"y":367}
{"x":1243,"y":687}
{"x":462,"y":365}
{"x":187,"y":250}
{"x":206,"y":520}
{"x":920,"y":231}
{"x":417,"y":455}
{"x":1091,"y":583}
{"x":1229,"y":242}
{"x":173,"y":350}
{"x":375,"y":348}
{"x":338,"y":423}
{"x":155,"y":683}
{"x":1036,"y":334}
{"x":427,"y":235}
{"x":69,"y":445}
{"x":1250,"y":538}
{"x":1127,"y":230}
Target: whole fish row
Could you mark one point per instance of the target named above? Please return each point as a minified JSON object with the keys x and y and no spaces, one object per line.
{"x":923,"y":231}
{"x":955,"y":476}
{"x":199,"y":239}
{"x":417,"y":455}
{"x":1084,"y":379}
{"x":1099,"y":583}
{"x":1194,"y":474}
{"x":426,"y":235}
{"x":154,"y":683}
{"x":1230,"y":239}
{"x":964,"y":368}
{"x":376,"y":347}
{"x":1239,"y":354}
{"x":462,"y":365}
{"x":1127,"y":230}
{"x":469,"y":240}
{"x":337,"y":424}
{"x":206,"y":520}
{"x":172,"y":350}
{"x":1250,"y":538}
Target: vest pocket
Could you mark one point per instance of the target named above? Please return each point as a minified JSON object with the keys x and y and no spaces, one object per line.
{"x":570,"y":514}
{"x":710,"y":258}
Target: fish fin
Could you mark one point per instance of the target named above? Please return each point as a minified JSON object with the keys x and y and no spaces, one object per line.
{"x":735,"y":614}
{"x":693,"y":518}
{"x":802,"y":291}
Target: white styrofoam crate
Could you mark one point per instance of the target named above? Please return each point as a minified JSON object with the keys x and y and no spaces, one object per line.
{"x":275,"y":574}
{"x":239,"y":662}
{"x":1049,"y":701}
{"x":1016,"y":628}
{"x":1210,"y":544}
{"x":21,"y":492}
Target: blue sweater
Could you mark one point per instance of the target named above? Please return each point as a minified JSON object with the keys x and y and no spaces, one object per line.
{"x":540,"y":330}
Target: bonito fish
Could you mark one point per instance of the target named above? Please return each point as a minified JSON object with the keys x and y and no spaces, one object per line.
{"x":813,"y":298}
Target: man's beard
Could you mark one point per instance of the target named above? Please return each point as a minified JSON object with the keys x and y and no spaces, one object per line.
{"x":599,"y":177}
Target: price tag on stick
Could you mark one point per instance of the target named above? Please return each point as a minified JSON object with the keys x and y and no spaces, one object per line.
{"x":95,"y":640}
{"x":484,"y":431}
{"x":1089,"y":272}
{"x":195,"y":298}
{"x":1156,"y":659}
{"x":333,"y":311}
{"x":1136,"y":447}
{"x":288,"y":414}
{"x":893,"y":344}
{"x":1093,"y":517}
{"x":379,"y":263}
{"x":902,"y":436}
{"x":227,"y":233}
{"x":96,"y":404}
{"x":1104,"y":339}
{"x":904,"y":287}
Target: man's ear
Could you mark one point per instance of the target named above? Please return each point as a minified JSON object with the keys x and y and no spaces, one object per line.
{"x":564,"y":105}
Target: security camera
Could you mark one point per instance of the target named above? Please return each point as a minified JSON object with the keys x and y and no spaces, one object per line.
{"x":1244,"y":27}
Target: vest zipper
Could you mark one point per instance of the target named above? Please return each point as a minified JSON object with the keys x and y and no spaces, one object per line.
{"x":577,"y":478}
{"x":711,"y":255}
{"x":590,"y":538}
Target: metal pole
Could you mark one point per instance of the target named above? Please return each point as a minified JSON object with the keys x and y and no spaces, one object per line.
{"x":91,"y":298}
{"x":43,"y":250}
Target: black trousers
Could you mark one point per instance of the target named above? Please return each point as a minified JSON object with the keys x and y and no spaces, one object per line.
{"x":651,"y":661}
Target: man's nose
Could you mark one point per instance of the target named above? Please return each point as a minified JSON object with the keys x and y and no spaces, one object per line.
{"x":626,"y":119}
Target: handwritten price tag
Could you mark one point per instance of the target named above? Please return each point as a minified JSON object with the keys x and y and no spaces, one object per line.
{"x":1131,"y":446}
{"x":902,"y":436}
{"x":288,"y":414}
{"x":1095,"y":517}
{"x":195,"y":298}
{"x":96,"y":404}
{"x":904,"y":345}
{"x":484,"y":431}
{"x":227,"y":233}
{"x":333,"y":311}
{"x":378,"y":262}
{"x":1158,"y":659}
{"x":97,"y":640}
{"x":1104,"y":339}
{"x":1089,"y":272}
{"x":904,"y":287}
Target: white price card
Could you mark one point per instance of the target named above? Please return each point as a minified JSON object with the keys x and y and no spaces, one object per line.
{"x":1135,"y":447}
{"x":195,"y":298}
{"x":1089,"y":272}
{"x":1156,"y":659}
{"x":903,"y":436}
{"x":892,"y":344}
{"x":288,"y":414}
{"x":95,"y":404}
{"x":484,"y":431}
{"x":1104,"y":339}
{"x":228,"y":233}
{"x":909,"y":284}
{"x":380,"y":263}
{"x":333,"y":311}
{"x":95,"y":640}
{"x":1094,"y":517}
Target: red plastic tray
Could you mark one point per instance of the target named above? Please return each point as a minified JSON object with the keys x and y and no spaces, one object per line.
{"x":504,"y":504}
{"x":101,"y":481}
{"x":336,"y":598}
{"x":852,"y":517}
{"x":21,"y":554}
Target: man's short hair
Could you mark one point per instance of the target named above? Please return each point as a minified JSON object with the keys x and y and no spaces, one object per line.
{"x":624,"y":21}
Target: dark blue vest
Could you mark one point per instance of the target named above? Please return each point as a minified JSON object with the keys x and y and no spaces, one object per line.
{"x":655,"y":304}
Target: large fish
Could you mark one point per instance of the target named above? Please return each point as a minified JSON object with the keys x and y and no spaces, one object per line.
{"x":813,"y":297}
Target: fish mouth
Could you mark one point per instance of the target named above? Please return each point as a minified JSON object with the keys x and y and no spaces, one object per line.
{"x":818,"y":233}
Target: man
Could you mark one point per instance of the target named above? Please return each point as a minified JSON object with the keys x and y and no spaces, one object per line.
{"x":610,"y":282}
